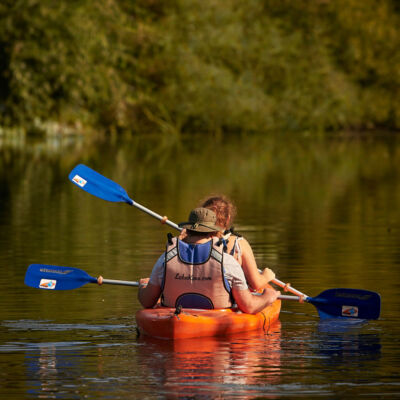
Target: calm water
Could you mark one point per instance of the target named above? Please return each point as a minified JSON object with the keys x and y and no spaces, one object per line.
{"x":322,"y":214}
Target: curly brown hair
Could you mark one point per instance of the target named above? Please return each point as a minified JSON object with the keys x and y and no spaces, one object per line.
{"x":223,"y":208}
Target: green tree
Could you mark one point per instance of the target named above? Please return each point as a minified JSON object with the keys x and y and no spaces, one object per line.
{"x":201,"y":65}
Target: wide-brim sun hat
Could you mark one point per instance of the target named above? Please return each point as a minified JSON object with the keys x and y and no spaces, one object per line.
{"x":202,"y":220}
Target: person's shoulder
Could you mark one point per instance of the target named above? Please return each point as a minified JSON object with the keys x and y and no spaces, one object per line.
{"x":244,"y":244}
{"x":229,"y":259}
{"x":239,"y":238}
{"x":160,"y":259}
{"x":233,"y":268}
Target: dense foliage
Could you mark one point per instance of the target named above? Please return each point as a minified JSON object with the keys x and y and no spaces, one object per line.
{"x":196,"y":65}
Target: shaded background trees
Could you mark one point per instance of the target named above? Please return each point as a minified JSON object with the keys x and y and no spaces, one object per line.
{"x":193,"y":65}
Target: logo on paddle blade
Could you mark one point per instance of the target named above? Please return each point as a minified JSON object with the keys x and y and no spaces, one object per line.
{"x":350,"y":311}
{"x":47,"y":284}
{"x":79,"y":181}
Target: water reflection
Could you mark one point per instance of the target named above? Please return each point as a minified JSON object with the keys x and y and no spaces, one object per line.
{"x":321,"y":213}
{"x":346,"y":342}
{"x":48,"y":326}
{"x":43,"y":370}
{"x":206,"y":367}
{"x":341,"y":325}
{"x":55,"y":368}
{"x":114,"y":363}
{"x":238,"y":366}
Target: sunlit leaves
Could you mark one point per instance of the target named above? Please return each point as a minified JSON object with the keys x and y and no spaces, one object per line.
{"x":196,"y":65}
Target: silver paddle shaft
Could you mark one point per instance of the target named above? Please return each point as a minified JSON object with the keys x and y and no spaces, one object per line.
{"x":101,"y":280}
{"x":293,"y":298}
{"x":290,"y":289}
{"x":164,"y":220}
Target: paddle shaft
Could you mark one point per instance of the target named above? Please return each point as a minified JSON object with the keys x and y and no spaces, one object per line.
{"x":329,"y":303}
{"x":290,"y":289}
{"x":101,"y":280}
{"x":286,"y":297}
{"x":163,"y":220}
{"x":133,"y":283}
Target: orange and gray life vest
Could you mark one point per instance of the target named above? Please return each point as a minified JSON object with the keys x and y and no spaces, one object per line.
{"x":194,"y":276}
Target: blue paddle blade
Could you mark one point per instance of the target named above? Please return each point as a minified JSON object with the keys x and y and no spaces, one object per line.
{"x":98,"y":185}
{"x":347,"y":303}
{"x":53,"y":277}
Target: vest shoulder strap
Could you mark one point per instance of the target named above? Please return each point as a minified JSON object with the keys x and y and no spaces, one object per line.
{"x":171,"y":250}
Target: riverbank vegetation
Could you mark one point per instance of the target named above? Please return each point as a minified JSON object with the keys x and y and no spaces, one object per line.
{"x":199,"y":66}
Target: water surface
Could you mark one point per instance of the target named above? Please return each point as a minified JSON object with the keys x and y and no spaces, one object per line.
{"x":321,"y":213}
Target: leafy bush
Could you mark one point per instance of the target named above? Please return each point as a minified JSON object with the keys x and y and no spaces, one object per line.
{"x":205,"y":66}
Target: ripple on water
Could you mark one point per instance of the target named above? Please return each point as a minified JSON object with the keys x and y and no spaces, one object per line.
{"x":83,"y":335}
{"x":26,"y":346}
{"x":46,"y":325}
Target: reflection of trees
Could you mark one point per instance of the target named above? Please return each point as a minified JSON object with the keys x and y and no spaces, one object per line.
{"x":327,"y":205}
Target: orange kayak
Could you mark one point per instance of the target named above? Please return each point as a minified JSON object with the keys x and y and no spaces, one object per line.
{"x":167,"y":323}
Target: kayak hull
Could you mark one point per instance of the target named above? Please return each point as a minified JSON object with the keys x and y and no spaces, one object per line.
{"x":164,"y":323}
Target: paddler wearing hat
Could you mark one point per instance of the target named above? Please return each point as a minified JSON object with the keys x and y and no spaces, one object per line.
{"x":194,"y":272}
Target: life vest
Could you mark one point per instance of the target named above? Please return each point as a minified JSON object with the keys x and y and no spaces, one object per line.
{"x":236,"y":251}
{"x":194,"y":276}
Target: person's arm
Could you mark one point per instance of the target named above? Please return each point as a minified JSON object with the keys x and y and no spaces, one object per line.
{"x":256,"y":280}
{"x":252,"y":304}
{"x":150,"y":288}
{"x":148,"y":294}
{"x":246,"y":301}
